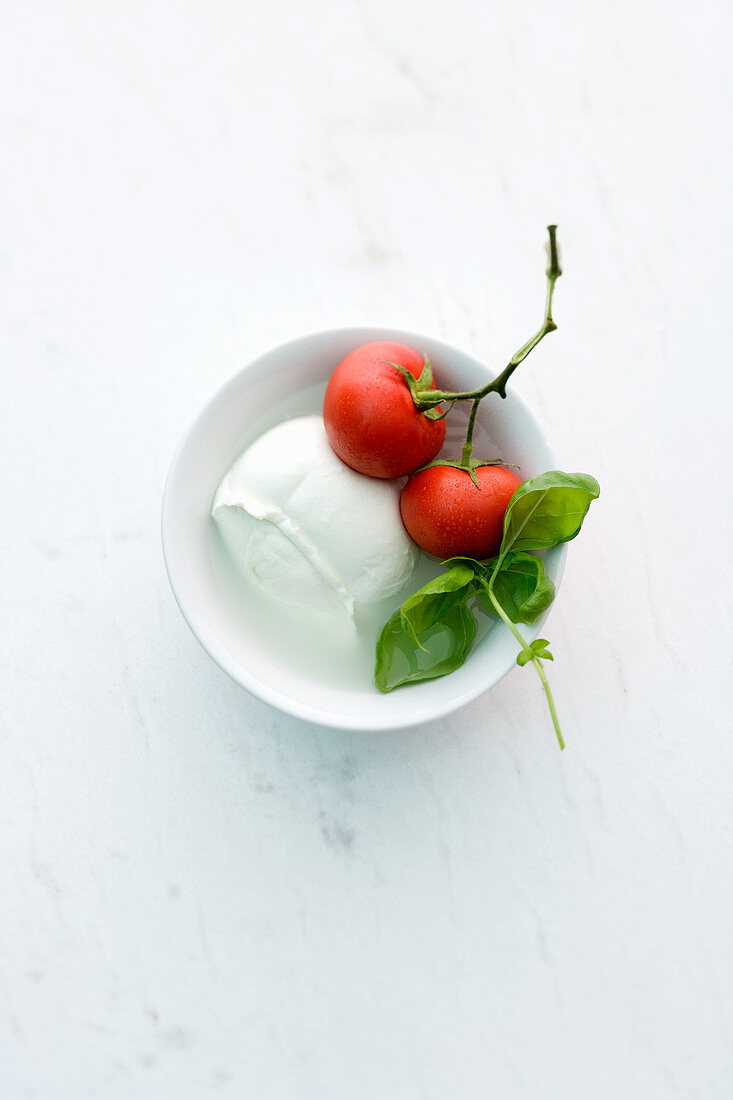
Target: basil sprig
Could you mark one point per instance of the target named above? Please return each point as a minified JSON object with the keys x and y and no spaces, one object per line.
{"x":433,"y":631}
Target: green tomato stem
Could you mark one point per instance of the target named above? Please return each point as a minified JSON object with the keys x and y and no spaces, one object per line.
{"x":535,"y":660}
{"x":468,"y":445}
{"x":430,"y":398}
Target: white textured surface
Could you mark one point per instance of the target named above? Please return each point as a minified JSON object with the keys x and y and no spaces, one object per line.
{"x":202,"y":898}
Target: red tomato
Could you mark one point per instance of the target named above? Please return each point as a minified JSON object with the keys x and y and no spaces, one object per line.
{"x":448,"y":516}
{"x":370,"y":417}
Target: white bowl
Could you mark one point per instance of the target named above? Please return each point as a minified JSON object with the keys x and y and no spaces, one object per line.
{"x":221,"y":432}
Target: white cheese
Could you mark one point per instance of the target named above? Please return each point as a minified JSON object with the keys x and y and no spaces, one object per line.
{"x":309,"y":529}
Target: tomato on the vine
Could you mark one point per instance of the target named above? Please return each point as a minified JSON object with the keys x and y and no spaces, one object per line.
{"x":449,"y":516}
{"x":371,"y":420}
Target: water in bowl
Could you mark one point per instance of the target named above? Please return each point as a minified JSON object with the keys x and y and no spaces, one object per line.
{"x":322,"y":645}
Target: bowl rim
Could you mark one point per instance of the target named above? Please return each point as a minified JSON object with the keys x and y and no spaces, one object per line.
{"x":206,"y":636}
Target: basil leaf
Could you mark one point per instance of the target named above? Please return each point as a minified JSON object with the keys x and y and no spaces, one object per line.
{"x":540,"y":648}
{"x":521,"y":586}
{"x":478,"y":568}
{"x":445,"y":646}
{"x":537,"y":648}
{"x":435,"y":599}
{"x":547,"y":510}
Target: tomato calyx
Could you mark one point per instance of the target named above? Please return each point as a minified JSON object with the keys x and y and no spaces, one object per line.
{"x":470,"y":467}
{"x":419,"y":387}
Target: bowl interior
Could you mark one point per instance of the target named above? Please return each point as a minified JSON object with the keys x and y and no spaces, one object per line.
{"x":259,"y":394}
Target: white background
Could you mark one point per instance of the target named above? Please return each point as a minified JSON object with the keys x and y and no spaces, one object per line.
{"x":202,"y":897}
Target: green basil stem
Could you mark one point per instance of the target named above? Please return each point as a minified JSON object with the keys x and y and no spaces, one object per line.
{"x":535,"y":660}
{"x":430,"y":398}
{"x":468,"y":445}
